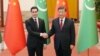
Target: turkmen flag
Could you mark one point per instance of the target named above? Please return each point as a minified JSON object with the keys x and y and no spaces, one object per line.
{"x":88,"y":35}
{"x":0,"y":38}
{"x":42,"y":6}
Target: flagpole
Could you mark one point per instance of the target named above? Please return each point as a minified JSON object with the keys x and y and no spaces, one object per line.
{"x":88,"y":52}
{"x":78,"y":11}
{"x":2,"y":16}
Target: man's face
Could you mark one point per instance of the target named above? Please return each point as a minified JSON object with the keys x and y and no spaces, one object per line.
{"x":34,"y":13}
{"x":61,"y":13}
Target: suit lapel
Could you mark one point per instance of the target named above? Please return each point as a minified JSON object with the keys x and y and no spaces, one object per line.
{"x":32,"y":23}
{"x":58,"y":24}
{"x":39,"y":23}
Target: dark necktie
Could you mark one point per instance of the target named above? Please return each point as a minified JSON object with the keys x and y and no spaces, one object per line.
{"x":35,"y":20}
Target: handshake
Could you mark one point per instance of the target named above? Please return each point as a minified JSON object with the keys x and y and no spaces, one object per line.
{"x":44,"y":35}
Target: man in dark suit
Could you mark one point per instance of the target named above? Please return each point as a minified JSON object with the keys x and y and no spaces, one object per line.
{"x":64,"y":30}
{"x":36,"y":28}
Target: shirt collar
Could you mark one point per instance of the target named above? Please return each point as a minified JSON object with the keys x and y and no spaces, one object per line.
{"x":35,"y":18}
{"x":62,"y":19}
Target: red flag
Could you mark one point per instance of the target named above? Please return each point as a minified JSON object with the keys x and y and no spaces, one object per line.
{"x":14,"y":36}
{"x":61,"y":3}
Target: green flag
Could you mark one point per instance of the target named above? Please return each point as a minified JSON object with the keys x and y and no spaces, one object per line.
{"x":88,"y":35}
{"x":42,"y":6}
{"x":0,"y":38}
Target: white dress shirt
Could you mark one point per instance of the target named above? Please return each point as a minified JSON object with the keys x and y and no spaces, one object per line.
{"x":63,"y":20}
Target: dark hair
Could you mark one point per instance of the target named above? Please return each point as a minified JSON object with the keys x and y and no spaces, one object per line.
{"x":34,"y":7}
{"x":62,"y":7}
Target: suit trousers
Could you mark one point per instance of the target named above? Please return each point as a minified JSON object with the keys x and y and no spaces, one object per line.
{"x":38,"y":50}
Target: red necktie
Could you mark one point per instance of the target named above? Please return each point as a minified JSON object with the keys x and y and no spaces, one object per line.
{"x":61,"y":24}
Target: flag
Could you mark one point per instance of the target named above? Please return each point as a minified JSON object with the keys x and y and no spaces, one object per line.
{"x":88,"y":35}
{"x":0,"y":38}
{"x":61,"y":3}
{"x":73,"y":9}
{"x":51,"y":4}
{"x":14,"y":36}
{"x":42,"y":6}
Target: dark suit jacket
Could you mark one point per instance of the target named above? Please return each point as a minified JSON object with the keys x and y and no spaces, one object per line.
{"x":64,"y":37}
{"x":34,"y":38}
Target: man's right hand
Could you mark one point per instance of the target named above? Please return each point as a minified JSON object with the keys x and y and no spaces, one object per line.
{"x":44,"y":35}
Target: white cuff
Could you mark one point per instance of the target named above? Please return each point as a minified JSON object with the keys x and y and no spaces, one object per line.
{"x":41,"y":34}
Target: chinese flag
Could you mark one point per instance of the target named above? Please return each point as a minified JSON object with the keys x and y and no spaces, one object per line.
{"x":61,"y":3}
{"x":14,"y":36}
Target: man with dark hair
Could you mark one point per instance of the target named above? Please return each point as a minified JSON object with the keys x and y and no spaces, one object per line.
{"x":36,"y":28}
{"x":34,"y":8}
{"x":64,"y":30}
{"x":62,"y":7}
